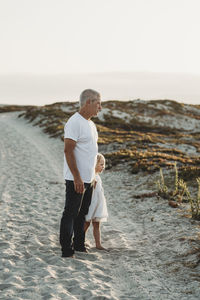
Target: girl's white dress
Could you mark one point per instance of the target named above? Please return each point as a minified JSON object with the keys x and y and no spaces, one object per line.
{"x":98,"y":207}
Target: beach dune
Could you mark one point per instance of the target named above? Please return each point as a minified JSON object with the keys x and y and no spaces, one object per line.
{"x":140,"y":235}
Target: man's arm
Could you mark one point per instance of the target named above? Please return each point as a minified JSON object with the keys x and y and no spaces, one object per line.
{"x":69,"y":146}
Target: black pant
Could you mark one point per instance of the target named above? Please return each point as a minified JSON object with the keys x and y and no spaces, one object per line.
{"x":73,"y":218}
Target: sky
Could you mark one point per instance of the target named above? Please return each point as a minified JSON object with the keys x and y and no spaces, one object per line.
{"x":88,"y":38}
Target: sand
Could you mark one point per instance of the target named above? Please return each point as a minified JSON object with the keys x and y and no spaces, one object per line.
{"x":148,"y":241}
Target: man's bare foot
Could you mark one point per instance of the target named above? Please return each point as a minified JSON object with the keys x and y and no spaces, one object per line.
{"x":69,"y":256}
{"x":87,"y":245}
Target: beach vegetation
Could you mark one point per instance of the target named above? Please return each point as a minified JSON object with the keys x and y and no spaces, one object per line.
{"x":161,"y":186}
{"x":194,"y":201}
{"x":138,"y":133}
{"x":179,"y":193}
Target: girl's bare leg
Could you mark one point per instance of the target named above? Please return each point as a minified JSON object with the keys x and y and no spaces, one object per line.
{"x":86,"y":226}
{"x":97,"y":235}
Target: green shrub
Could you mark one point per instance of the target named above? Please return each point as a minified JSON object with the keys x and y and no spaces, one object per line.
{"x":178,"y":192}
{"x":195,"y":202}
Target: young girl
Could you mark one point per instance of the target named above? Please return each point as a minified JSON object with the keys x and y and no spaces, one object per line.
{"x":98,"y":208}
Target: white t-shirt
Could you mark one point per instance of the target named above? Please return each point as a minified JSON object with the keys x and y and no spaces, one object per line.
{"x":85,"y":134}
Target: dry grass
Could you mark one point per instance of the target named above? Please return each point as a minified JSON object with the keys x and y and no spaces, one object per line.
{"x":143,"y":146}
{"x":12,"y":108}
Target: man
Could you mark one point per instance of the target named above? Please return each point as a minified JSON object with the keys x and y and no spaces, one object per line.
{"x":80,"y":148}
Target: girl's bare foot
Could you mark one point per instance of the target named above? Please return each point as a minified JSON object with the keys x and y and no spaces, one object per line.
{"x":101,"y":248}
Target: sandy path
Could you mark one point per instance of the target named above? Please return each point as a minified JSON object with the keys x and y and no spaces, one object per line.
{"x":31,"y":203}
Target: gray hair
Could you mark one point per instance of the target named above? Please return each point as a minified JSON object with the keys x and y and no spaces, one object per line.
{"x":88,"y":94}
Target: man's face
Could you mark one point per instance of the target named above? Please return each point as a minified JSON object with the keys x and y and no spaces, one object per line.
{"x":95,"y":107}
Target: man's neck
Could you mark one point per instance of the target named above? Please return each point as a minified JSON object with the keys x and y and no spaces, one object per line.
{"x":84,"y":114}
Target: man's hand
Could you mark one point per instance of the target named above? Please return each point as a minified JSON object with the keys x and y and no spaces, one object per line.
{"x":79,"y":185}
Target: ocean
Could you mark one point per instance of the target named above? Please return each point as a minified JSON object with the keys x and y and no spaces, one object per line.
{"x":41,"y":89}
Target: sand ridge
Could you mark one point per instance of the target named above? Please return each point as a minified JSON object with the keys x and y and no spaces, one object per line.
{"x":139,"y":234}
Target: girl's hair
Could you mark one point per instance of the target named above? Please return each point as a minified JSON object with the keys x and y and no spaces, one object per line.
{"x":99,"y":157}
